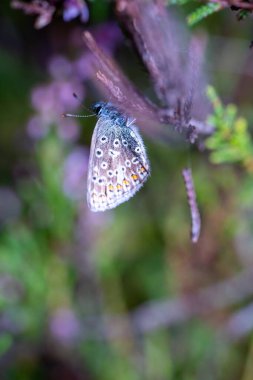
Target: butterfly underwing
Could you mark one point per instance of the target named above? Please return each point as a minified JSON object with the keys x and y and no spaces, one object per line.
{"x":118,"y":163}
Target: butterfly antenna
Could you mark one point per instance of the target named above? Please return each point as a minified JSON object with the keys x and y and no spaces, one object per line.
{"x":75,"y":115}
{"x":81,"y":104}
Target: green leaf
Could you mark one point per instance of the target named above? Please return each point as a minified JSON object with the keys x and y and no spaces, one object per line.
{"x":215,"y":100}
{"x":202,"y":12}
{"x":231,"y":141}
{"x":178,"y":2}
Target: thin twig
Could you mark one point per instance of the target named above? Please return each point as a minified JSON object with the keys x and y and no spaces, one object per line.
{"x":124,"y":93}
{"x":192,"y":201}
{"x":126,"y":96}
{"x":157,"y":38}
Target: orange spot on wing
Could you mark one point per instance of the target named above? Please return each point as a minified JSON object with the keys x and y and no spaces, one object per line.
{"x":134,"y":177}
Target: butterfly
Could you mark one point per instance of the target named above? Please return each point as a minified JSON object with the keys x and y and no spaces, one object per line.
{"x":118,"y":163}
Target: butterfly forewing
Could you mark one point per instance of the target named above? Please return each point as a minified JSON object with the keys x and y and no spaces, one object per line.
{"x":118,"y":165}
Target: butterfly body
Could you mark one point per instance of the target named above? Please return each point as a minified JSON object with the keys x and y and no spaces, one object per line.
{"x":118,"y":164}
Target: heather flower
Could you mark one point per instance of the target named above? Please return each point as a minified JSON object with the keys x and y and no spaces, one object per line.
{"x":36,"y":128}
{"x":108,"y":35}
{"x":60,"y":68}
{"x":89,"y":226}
{"x":46,"y":9}
{"x":84,"y":66}
{"x":68,"y":130}
{"x":51,"y":101}
{"x":75,"y":171}
{"x":75,"y":8}
{"x":56,"y":98}
{"x":64,"y":325}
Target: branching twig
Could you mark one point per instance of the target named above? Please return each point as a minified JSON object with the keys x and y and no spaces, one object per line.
{"x":126,"y":96}
{"x":156,"y":37}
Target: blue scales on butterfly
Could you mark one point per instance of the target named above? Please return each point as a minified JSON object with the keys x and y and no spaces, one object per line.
{"x":118,"y":163}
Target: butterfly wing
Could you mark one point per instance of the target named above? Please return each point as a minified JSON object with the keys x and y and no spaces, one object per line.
{"x":118,"y":165}
{"x":97,"y":151}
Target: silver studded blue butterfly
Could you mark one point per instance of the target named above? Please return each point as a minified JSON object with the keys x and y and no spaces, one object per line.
{"x":118,"y":163}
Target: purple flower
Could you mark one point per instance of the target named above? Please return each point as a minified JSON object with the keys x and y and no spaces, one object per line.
{"x":50,"y":102}
{"x":75,"y":172}
{"x":68,"y":129}
{"x":75,"y":8}
{"x":108,"y":36}
{"x":84,"y":66}
{"x":45,"y":10}
{"x":56,"y":98}
{"x":36,"y":129}
{"x":60,"y":68}
{"x":92,"y":223}
{"x":64,"y":325}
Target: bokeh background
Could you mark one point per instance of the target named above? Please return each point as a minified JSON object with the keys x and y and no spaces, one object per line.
{"x":122,"y":294}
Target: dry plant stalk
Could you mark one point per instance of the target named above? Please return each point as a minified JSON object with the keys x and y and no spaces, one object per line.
{"x":124,"y":93}
{"x":192,"y":201}
{"x":154,"y":33}
{"x":158,"y":39}
{"x":42,"y":9}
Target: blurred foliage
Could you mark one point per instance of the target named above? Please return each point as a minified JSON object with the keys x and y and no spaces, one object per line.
{"x":231,"y":141}
{"x":202,"y":12}
{"x":211,"y":7}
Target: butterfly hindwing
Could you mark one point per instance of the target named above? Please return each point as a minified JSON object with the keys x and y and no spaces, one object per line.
{"x":118,"y":165}
{"x":98,"y":165}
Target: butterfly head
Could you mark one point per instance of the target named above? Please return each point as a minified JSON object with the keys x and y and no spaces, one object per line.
{"x":98,"y":107}
{"x":109,"y":111}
